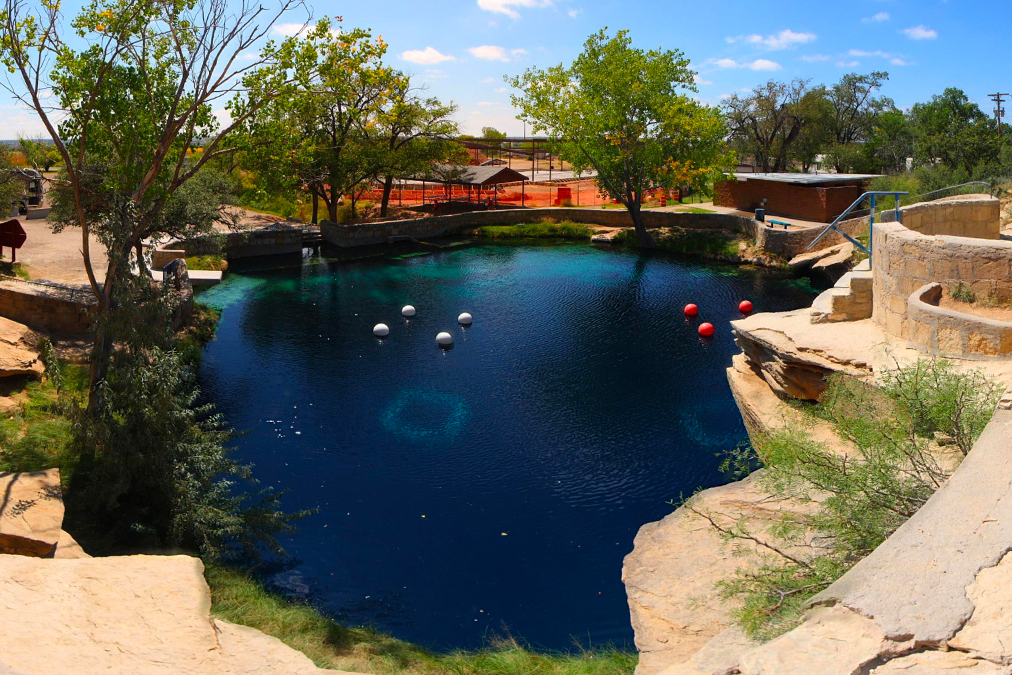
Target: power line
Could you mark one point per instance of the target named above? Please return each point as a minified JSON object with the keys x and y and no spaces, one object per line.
{"x":999,"y":111}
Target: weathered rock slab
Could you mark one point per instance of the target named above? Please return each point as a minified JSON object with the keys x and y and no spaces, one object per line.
{"x":125,"y":614}
{"x":31,"y":513}
{"x":18,"y":354}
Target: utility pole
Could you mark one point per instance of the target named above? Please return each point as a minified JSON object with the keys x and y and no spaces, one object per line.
{"x":999,"y":111}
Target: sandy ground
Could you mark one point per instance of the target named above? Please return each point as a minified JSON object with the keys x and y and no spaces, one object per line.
{"x":57,"y":257}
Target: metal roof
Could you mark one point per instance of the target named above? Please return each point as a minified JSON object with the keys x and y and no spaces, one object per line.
{"x":473,"y":175}
{"x":807,"y":178}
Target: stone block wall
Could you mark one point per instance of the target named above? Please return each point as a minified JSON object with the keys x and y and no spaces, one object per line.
{"x":277,"y":239}
{"x":976,"y":216}
{"x":946,"y":332}
{"x":50,"y":308}
{"x":905,"y":260}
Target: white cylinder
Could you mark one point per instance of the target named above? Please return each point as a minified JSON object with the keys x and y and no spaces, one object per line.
{"x":444,"y":339}
{"x":381,"y":330}
{"x":408,"y":310}
{"x":464,"y":319}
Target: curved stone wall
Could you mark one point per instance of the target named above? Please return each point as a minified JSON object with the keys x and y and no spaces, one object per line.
{"x":946,"y":332}
{"x":905,"y":260}
{"x":976,"y":216}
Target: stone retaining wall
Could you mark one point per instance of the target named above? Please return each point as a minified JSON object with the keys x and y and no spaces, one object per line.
{"x":946,"y":332}
{"x":277,"y":239}
{"x":49,"y":308}
{"x":904,"y":261}
{"x":786,"y":243}
{"x":976,"y":216}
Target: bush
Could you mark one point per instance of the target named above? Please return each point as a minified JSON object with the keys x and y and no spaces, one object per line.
{"x":849,"y":504}
{"x":545,"y":229}
{"x":214,"y":263}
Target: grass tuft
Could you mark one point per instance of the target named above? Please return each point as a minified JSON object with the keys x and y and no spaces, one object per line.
{"x":239,"y":598}
{"x":541,"y":230}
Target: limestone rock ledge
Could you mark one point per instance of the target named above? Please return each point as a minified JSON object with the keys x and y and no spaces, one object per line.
{"x":18,"y":354}
{"x":31,"y":513}
{"x":129,"y":614}
{"x":671,"y":573}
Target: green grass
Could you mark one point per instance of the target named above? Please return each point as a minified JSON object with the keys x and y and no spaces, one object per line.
{"x":540,"y":230}
{"x":215,"y":263}
{"x":238,"y":598}
{"x":693,"y":209}
{"x":9,"y":269}
{"x":36,"y":434}
{"x":716,"y":244}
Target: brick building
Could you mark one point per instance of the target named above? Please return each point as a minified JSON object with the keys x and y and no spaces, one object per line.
{"x":816,"y":197}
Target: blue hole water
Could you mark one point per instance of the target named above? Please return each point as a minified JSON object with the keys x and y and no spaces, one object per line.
{"x":494,"y":487}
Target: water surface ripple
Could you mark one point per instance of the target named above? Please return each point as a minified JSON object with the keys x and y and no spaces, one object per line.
{"x":496,"y":486}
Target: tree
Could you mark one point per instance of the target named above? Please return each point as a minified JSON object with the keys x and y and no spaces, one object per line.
{"x":855,"y":112}
{"x":626,"y":114}
{"x":767,"y":122}
{"x":891,"y":140}
{"x":34,"y":150}
{"x":492,"y":133}
{"x":12,"y":186}
{"x":414,"y":134}
{"x":321,"y":137}
{"x":128,"y":106}
{"x":952,"y":130}
{"x":815,"y":136}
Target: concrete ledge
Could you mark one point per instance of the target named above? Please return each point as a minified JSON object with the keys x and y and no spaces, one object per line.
{"x":947,"y":332}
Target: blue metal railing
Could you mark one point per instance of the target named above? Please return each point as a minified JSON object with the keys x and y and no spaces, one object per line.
{"x":871,"y":219}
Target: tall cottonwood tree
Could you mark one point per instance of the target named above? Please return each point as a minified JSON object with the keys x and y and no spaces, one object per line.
{"x":126,"y":105}
{"x":628,"y":115}
{"x":769,"y":120}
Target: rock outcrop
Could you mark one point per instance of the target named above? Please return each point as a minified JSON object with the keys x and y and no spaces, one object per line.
{"x":18,"y":354}
{"x":31,"y":513}
{"x":126,"y":614}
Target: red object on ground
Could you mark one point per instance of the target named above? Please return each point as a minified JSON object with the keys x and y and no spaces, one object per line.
{"x":691,"y":310}
{"x":706,"y":329}
{"x":13,"y":235}
{"x":745,"y":307}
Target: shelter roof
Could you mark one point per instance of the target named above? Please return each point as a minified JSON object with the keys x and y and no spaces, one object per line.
{"x":808,"y":178}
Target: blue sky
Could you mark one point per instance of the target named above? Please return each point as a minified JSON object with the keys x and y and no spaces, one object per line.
{"x":460,"y":50}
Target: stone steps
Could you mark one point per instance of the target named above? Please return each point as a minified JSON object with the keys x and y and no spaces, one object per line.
{"x":851,"y":299}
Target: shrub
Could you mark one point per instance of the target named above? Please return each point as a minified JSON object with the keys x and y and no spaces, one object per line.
{"x":849,"y":503}
{"x":963,"y":293}
{"x":545,"y":229}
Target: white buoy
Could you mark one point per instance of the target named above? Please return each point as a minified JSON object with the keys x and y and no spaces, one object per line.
{"x":444,"y":339}
{"x":408,"y":310}
{"x":381,"y":330}
{"x":464,"y":319}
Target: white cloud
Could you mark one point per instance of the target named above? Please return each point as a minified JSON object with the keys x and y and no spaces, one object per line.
{"x":427,"y":56}
{"x":434,"y":74}
{"x":487,"y":80}
{"x":289,"y":29}
{"x":487,"y":103}
{"x":507,"y":6}
{"x":698,"y":80}
{"x":518,"y":52}
{"x":573,"y":13}
{"x":814,"y":58}
{"x":758,"y":64}
{"x":921,"y":32}
{"x":501,"y":90}
{"x":897,"y":61}
{"x":878,"y":18}
{"x":785,"y":39}
{"x":848,"y":64}
{"x":489,"y":53}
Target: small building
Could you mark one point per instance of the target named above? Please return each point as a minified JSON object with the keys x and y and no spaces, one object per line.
{"x":468,"y":188}
{"x":815,"y":197}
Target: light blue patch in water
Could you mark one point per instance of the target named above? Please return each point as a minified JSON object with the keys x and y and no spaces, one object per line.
{"x":425,"y":414}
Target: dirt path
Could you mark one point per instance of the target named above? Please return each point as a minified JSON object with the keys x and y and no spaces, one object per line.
{"x":57,"y":257}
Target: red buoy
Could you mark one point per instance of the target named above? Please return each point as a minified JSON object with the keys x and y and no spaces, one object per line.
{"x":706,"y":329}
{"x":745,"y":307}
{"x":691,"y":310}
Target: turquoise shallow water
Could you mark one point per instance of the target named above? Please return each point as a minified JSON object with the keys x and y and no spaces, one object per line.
{"x":496,"y":486}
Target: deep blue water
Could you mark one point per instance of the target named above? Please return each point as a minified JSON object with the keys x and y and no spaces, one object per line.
{"x":497,"y":486}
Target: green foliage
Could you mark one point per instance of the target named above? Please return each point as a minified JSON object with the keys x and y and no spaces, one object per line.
{"x":238,"y":598}
{"x":715,"y":244}
{"x":628,"y":114}
{"x":540,"y":230}
{"x":963,"y":293}
{"x":214,"y":263}
{"x":849,"y":502}
{"x":9,"y":269}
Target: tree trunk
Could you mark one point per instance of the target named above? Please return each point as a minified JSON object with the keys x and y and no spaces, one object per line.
{"x":316,"y":206}
{"x":332,"y":206}
{"x":646,"y":240}
{"x":142,"y":268}
{"x":388,"y":186}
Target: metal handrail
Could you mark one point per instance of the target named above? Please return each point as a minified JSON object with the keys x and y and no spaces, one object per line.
{"x":871,"y":222}
{"x":990,"y":188}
